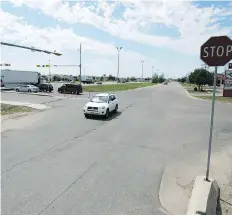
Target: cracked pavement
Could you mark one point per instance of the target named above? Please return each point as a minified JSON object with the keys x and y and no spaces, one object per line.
{"x":65,"y":164}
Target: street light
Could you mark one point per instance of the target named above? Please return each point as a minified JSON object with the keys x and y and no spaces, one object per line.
{"x":152,"y":71}
{"x":142,"y":61}
{"x":119,"y":49}
{"x":80,"y":62}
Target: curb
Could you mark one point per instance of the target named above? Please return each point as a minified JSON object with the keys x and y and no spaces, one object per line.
{"x":204,"y":198}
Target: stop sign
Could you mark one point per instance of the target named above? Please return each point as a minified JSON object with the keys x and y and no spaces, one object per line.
{"x":217,"y":51}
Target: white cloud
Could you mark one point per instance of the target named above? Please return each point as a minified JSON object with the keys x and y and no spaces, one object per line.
{"x":98,"y":57}
{"x":193,"y":23}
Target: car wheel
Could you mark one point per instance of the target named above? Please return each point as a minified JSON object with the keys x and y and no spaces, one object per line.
{"x":107,"y":114}
{"x":86,"y":115}
{"x":17,"y":90}
{"x":116,"y":109}
{"x":29,"y":91}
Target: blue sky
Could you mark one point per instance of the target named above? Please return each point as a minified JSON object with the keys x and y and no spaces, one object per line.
{"x":166,"y":34}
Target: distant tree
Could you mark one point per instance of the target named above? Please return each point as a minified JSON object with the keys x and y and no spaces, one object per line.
{"x":201,"y":77}
{"x":55,"y":78}
{"x":133,"y":78}
{"x":101,"y":78}
{"x":155,"y":78}
{"x":161,"y":78}
{"x":182,"y":80}
{"x":127,"y":79}
{"x":110,"y":77}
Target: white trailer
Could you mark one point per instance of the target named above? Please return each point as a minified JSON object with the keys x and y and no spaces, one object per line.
{"x":87,"y":79}
{"x":14,"y":78}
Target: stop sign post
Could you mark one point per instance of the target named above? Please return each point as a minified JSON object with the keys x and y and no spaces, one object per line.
{"x":216,"y":51}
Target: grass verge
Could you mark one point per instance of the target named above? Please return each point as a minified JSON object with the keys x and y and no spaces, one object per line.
{"x":218,"y":98}
{"x":10,"y":109}
{"x":115,"y":87}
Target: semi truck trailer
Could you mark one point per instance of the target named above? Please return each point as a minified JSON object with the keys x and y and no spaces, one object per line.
{"x":14,"y":78}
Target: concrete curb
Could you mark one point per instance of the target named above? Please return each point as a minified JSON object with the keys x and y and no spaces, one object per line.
{"x":204,"y":197}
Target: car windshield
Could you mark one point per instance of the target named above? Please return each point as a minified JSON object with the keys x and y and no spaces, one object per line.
{"x":99,"y":99}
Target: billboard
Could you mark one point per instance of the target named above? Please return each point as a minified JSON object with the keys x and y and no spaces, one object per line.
{"x":228,"y":80}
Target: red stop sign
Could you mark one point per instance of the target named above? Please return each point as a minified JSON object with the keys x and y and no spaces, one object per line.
{"x":217,"y":51}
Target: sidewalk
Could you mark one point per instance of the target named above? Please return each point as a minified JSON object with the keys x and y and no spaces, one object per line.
{"x":178,"y":179}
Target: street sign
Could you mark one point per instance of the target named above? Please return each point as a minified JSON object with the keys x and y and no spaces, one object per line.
{"x":217,"y":51}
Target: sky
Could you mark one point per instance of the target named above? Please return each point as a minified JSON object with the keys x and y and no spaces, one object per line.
{"x":165,"y":34}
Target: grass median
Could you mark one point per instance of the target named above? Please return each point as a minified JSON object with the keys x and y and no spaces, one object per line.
{"x":218,"y":98}
{"x":11,"y":109}
{"x":115,"y":87}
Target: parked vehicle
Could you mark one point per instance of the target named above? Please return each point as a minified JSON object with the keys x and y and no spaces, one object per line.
{"x":27,"y":88}
{"x":14,"y":78}
{"x":45,"y":87}
{"x":101,"y":104}
{"x":87,"y":79}
{"x":70,"y":88}
{"x":99,"y":82}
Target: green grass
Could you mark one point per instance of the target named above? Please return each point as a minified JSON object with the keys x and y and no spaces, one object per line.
{"x":218,"y":98}
{"x":115,"y":87}
{"x":9,"y":109}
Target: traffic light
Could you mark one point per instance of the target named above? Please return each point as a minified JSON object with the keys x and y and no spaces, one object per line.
{"x":57,"y":54}
{"x":47,"y":65}
{"x":5,"y":64}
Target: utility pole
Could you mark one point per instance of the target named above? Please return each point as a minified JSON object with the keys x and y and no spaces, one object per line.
{"x":118,"y":48}
{"x":49,"y":69}
{"x":80,"y":63}
{"x":142,"y":61}
{"x":205,"y":66}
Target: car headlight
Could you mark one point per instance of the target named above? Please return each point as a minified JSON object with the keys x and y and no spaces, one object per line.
{"x":85,"y":107}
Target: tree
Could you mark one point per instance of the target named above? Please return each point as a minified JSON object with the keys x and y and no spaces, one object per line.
{"x":182,"y":80}
{"x":101,"y":78}
{"x":56,"y":78}
{"x":133,"y":78}
{"x":161,"y":78}
{"x":201,"y":77}
{"x":155,"y":78}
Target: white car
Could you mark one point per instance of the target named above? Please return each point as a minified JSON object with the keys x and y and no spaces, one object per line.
{"x":101,"y":104}
{"x":27,"y":88}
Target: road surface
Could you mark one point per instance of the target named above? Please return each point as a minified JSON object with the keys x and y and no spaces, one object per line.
{"x":64,"y":164}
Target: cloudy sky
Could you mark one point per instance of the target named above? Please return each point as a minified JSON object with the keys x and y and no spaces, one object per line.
{"x":166,"y":34}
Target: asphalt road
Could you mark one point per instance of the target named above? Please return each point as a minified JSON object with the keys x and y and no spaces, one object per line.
{"x":65,"y":164}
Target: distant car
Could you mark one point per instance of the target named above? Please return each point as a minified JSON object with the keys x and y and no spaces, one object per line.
{"x":99,"y":82}
{"x":101,"y":104}
{"x":165,"y":83}
{"x":70,"y":88}
{"x":27,"y":88}
{"x":45,"y":87}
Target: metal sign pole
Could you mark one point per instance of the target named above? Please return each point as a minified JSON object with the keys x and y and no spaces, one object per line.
{"x":211,"y":124}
